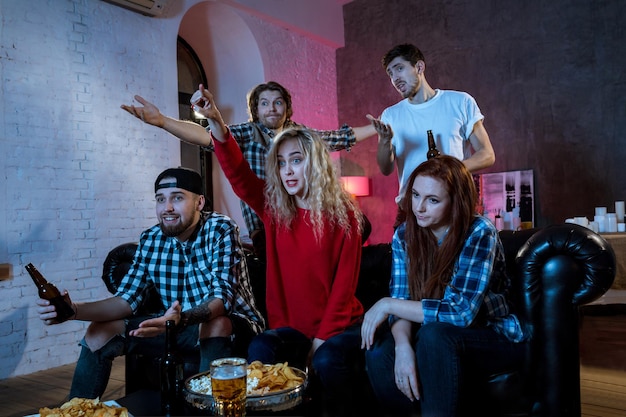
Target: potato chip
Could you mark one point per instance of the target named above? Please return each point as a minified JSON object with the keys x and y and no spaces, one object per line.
{"x":275,"y":377}
{"x":83,"y":407}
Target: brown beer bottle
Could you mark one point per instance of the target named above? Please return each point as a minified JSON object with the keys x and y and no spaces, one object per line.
{"x":50,"y":292}
{"x":432,"y":147}
{"x":172,"y":374}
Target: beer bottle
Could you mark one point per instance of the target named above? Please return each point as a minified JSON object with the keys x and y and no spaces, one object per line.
{"x":171,"y":374}
{"x":48,"y":291}
{"x":432,"y":147}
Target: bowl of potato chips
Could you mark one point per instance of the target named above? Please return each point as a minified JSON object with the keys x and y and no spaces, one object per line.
{"x":275,"y":387}
{"x":84,"y":407}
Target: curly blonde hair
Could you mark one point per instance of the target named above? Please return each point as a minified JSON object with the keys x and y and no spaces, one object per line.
{"x":323,"y":191}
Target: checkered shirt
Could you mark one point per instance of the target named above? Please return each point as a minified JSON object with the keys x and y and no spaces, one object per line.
{"x":209,"y":265}
{"x":479,"y":283}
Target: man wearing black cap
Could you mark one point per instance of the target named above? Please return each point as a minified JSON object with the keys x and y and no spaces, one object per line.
{"x":195,"y":261}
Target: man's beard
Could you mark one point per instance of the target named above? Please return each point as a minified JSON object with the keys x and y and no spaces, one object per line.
{"x":410,"y":93}
{"x":173,"y":231}
{"x":279,"y":124}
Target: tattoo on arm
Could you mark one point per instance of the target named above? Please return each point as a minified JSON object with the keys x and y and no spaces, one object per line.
{"x":198,"y":314}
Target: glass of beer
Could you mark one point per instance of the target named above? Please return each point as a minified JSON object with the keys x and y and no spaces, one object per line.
{"x":228,"y":384}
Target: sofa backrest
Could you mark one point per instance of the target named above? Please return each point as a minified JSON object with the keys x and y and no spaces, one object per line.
{"x":374,"y":274}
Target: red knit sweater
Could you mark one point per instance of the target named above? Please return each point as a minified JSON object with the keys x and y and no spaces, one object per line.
{"x":310,"y":285}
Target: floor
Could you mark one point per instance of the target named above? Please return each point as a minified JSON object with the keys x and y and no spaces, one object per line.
{"x":603,"y":365}
{"x":51,"y":388}
{"x":603,"y":375}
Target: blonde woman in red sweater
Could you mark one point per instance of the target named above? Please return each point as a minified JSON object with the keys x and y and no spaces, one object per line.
{"x":313,"y":243}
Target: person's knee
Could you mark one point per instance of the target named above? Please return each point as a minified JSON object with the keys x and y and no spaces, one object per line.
{"x":263,"y":347}
{"x":218,"y":327}
{"x":378,"y":359}
{"x":98,"y":334}
{"x":436,"y":338}
{"x":113,"y":348}
{"x":435,"y":332}
{"x":324,"y":360}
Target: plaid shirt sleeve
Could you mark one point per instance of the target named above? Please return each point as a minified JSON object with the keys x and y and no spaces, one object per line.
{"x":255,"y":153}
{"x":216,"y":255}
{"x":227,"y":278}
{"x":399,"y":284}
{"x":221,"y":270}
{"x":338,"y":140}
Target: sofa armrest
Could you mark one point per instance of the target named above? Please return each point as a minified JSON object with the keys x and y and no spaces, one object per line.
{"x":559,"y":268}
{"x":590,"y":255}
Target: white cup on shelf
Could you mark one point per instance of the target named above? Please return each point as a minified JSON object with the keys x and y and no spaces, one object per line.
{"x":601,"y":220}
{"x":611,"y":223}
{"x":619,"y":211}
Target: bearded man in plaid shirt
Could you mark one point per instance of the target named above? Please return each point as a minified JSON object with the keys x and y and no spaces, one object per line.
{"x":195,"y":261}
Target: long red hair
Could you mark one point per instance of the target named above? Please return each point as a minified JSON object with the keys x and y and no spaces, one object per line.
{"x":430,"y":265}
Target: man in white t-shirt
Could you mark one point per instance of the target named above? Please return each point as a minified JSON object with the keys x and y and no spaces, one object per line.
{"x":453,"y":117}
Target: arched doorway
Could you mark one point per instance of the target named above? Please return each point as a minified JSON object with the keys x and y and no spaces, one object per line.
{"x":190,"y":74}
{"x":229,"y":54}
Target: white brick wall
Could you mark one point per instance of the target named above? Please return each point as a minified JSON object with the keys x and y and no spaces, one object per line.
{"x":76,"y":172}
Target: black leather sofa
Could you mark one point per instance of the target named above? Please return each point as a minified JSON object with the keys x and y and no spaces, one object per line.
{"x":554,"y":271}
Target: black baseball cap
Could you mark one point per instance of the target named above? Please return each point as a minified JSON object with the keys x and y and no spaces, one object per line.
{"x":185,"y":178}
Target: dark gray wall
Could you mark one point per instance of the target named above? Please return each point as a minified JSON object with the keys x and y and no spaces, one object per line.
{"x":550,"y":77}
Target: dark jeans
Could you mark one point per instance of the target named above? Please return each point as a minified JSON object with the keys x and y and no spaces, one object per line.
{"x":93,"y":369}
{"x":452,"y":361}
{"x":335,"y":363}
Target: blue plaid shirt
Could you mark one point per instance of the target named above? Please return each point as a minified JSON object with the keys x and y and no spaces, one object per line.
{"x":479,"y":283}
{"x":254,"y":140}
{"x":209,"y":265}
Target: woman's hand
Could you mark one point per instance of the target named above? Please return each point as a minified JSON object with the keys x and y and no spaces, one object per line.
{"x":372,"y":319}
{"x":206,"y":106}
{"x":156,"y":326}
{"x":314,"y":346}
{"x":405,"y":371}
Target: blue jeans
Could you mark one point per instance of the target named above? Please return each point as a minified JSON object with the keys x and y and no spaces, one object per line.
{"x":93,"y":369}
{"x":335,"y":363}
{"x":452,"y":361}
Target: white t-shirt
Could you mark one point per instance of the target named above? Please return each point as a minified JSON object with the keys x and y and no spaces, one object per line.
{"x":451,"y":115}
